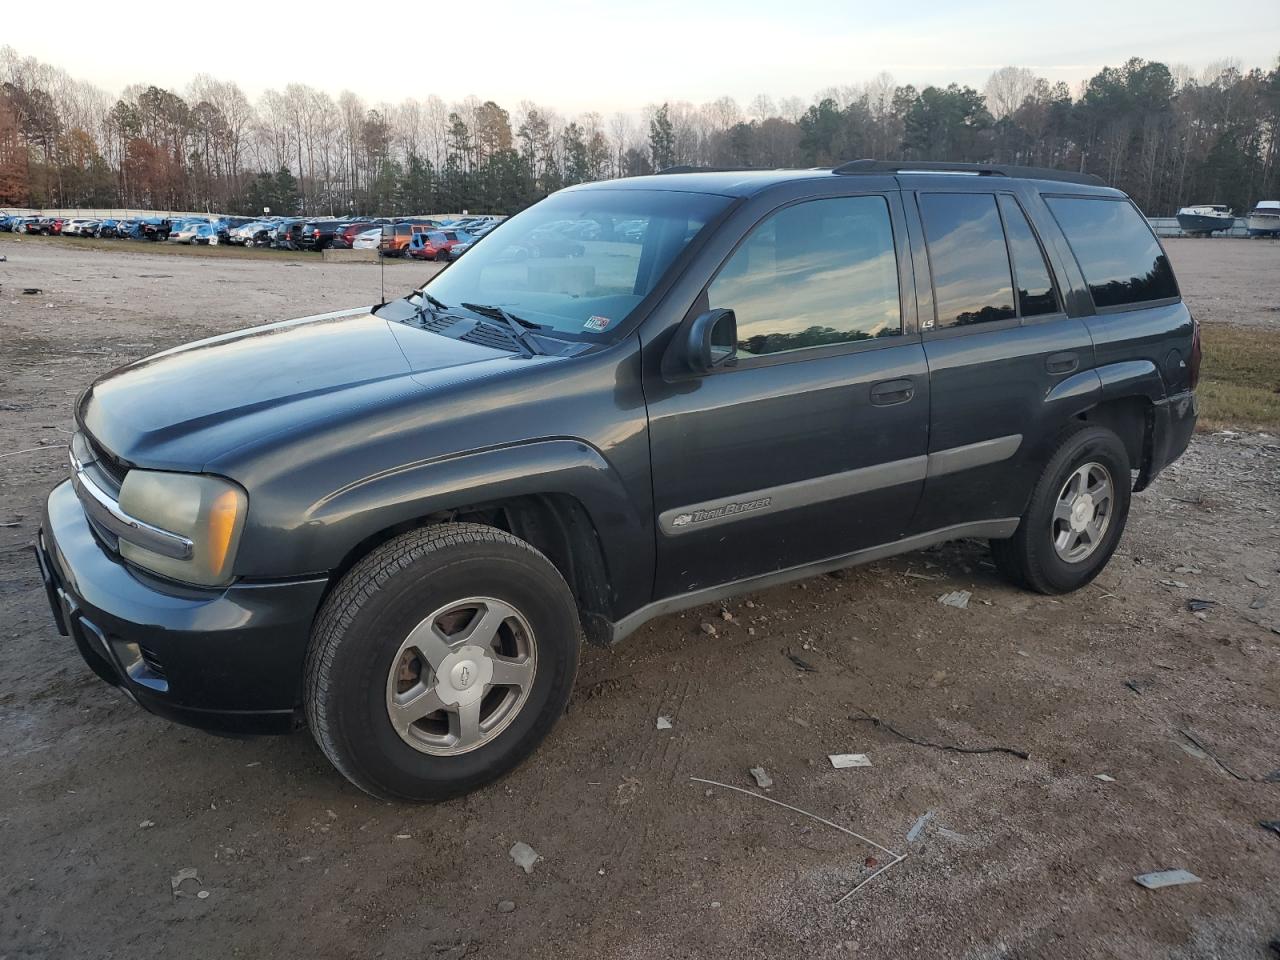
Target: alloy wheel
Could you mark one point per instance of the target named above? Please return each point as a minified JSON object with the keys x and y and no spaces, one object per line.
{"x":461,"y":676}
{"x":1082,"y":513}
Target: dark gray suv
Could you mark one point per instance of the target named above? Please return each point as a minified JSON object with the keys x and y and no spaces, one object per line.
{"x":395,"y":524}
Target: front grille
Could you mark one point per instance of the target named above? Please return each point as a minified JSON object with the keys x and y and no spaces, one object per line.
{"x":108,"y":462}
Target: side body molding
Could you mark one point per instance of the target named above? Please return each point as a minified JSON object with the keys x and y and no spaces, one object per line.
{"x":362,"y":509}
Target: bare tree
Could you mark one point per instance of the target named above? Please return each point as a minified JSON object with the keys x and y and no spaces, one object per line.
{"x":1007,"y":88}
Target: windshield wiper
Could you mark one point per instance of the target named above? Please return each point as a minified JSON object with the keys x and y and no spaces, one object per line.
{"x":519,"y":327}
{"x":433,"y":301}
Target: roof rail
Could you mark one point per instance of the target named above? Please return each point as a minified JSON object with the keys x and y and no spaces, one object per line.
{"x":689,"y":168}
{"x":973,"y":169}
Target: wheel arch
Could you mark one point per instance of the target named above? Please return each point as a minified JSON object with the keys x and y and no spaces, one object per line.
{"x":1120,"y":397}
{"x":561,"y":496}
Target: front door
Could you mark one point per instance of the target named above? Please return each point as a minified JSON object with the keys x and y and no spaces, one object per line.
{"x":812,"y":443}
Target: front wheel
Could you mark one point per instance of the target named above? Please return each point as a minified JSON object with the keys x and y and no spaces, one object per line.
{"x":440,"y":662}
{"x":1075,"y":518}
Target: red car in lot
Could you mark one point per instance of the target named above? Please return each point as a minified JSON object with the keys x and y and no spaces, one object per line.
{"x":345,"y":235}
{"x":436,"y":244}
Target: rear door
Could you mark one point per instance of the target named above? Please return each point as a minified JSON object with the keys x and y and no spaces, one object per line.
{"x":811,"y":444}
{"x":998,"y":343}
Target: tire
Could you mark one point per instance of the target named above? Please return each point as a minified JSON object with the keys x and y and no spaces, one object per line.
{"x":358,"y":669}
{"x":1049,"y":552}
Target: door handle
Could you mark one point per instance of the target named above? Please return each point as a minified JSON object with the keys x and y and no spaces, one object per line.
{"x":889,"y":392}
{"x":1061,"y":362}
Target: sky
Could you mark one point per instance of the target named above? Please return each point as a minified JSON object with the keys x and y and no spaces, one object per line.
{"x":618,"y":55}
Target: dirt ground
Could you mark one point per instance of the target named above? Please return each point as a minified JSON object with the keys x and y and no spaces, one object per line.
{"x":101,"y":805}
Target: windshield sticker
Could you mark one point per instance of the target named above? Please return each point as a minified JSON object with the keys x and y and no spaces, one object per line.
{"x":597,"y":324}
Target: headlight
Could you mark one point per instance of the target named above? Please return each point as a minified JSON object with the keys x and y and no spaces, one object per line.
{"x":209,"y":511}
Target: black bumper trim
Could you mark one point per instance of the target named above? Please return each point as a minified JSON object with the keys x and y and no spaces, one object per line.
{"x":232,"y":658}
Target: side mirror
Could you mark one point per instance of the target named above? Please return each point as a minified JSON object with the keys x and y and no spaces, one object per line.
{"x":711,"y":340}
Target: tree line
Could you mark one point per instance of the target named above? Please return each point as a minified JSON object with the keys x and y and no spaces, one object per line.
{"x":1165,"y":135}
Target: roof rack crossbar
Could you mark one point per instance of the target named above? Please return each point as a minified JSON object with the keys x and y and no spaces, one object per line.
{"x":980,"y":169}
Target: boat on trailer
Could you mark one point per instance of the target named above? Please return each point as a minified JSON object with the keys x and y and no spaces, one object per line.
{"x":1205,"y":219}
{"x":1264,"y":219}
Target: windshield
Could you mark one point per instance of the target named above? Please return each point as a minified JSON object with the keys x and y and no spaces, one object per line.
{"x":578,"y":262}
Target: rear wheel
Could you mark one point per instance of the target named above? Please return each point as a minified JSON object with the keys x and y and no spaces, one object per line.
{"x":440,"y":662}
{"x":1075,"y":518}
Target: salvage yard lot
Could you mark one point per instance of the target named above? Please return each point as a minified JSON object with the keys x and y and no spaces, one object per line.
{"x":100,"y":805}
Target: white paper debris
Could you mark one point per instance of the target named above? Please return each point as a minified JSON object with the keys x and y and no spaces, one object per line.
{"x":956,"y":598}
{"x":918,"y":827}
{"x":664,"y":723}
{"x":1104,"y":777}
{"x":842,"y":761}
{"x":1165,"y":878}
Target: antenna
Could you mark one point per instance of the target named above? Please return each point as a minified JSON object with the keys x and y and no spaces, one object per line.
{"x":382,"y":265}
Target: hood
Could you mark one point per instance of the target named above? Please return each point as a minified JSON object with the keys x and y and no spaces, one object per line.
{"x":184,"y":407}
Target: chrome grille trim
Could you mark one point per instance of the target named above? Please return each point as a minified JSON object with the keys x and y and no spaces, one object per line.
{"x":104,"y":510}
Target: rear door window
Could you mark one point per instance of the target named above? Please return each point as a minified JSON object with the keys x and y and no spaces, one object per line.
{"x":813,"y":274}
{"x":1036,"y":296}
{"x":972,"y":282}
{"x":1120,"y":258}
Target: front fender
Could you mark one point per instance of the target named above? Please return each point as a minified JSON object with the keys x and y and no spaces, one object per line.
{"x":335,"y":525}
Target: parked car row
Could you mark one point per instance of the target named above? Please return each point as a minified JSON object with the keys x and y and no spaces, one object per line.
{"x":418,"y":237}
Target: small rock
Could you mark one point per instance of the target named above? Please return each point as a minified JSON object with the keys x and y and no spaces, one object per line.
{"x":664,"y":723}
{"x":1104,"y":777}
{"x":708,"y":628}
{"x":936,"y":678}
{"x":524,"y":856}
{"x":763,"y":780}
{"x":506,"y":906}
{"x":146,"y":824}
{"x":726,"y":616}
{"x":203,"y":895}
{"x":1257,"y":581}
{"x":715,"y":904}
{"x":1186,"y":569}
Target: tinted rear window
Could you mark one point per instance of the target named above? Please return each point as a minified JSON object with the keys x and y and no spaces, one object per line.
{"x":1121,"y":260}
{"x":971,"y":278}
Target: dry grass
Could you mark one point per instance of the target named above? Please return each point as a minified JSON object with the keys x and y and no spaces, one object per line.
{"x":1240,"y":377}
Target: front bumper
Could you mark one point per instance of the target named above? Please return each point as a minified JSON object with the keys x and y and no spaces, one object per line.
{"x":228,"y":660}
